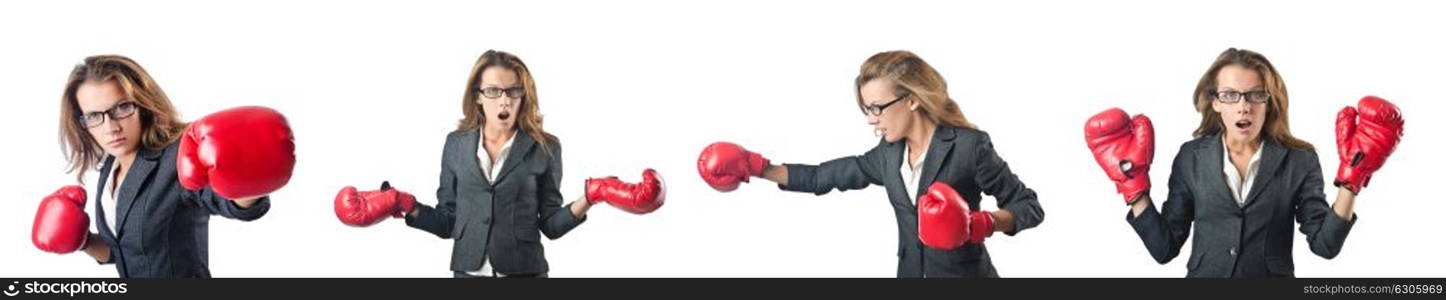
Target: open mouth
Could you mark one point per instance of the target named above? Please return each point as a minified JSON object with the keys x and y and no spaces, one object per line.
{"x":504,"y":115}
{"x":1243,"y":124}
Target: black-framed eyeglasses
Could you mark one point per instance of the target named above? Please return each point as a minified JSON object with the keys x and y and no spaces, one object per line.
{"x":878,"y":109}
{"x":117,"y":112}
{"x":1232,"y":97}
{"x":497,"y":92}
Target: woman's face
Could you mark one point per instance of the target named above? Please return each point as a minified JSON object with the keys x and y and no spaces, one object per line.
{"x":500,"y":112}
{"x":893,"y":121}
{"x":1244,"y":119}
{"x":118,"y":137}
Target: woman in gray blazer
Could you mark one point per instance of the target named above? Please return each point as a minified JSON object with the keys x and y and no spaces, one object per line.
{"x":499,"y":181}
{"x":1243,"y":183}
{"x":114,"y":115}
{"x":925,"y":139}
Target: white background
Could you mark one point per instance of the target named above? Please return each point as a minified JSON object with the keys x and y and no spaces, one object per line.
{"x":371,"y":90}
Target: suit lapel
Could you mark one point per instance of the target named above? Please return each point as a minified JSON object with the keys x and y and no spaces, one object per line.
{"x":893,"y":159}
{"x":1211,"y":161}
{"x":1270,"y":159}
{"x":468,"y":151}
{"x":521,"y":146}
{"x":939,"y":147}
{"x":139,"y":173}
{"x":101,"y":214}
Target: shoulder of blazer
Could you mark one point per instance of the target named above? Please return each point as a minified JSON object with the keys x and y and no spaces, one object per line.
{"x":524,"y":145}
{"x":554,"y":149}
{"x":168,"y":153}
{"x":949,"y":133}
{"x":455,"y":135}
{"x":1295,"y":158}
{"x":961,"y":136}
{"x":1190,"y":154}
{"x":1196,"y":145}
{"x":455,"y":139}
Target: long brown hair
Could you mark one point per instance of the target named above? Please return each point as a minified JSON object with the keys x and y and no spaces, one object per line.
{"x":160,"y":123}
{"x":528,"y":115}
{"x":912,"y":76}
{"x":1277,"y":119}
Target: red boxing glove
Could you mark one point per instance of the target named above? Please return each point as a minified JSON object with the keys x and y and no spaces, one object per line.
{"x":641,"y":198}
{"x":61,"y":225}
{"x":723,"y":165}
{"x":945,"y":221}
{"x":1364,"y":143}
{"x":240,"y":152}
{"x":362,"y":209}
{"x":1124,"y":147}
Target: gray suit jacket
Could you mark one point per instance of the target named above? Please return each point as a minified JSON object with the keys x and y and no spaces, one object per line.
{"x":162,"y":226}
{"x":965,"y":159}
{"x":1253,"y":240}
{"x":498,"y":220}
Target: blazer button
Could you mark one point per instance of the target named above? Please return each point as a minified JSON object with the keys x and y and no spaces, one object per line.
{"x":1232,"y":251}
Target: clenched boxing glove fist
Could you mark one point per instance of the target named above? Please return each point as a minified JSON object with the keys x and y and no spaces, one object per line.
{"x":240,"y":152}
{"x":723,"y":165}
{"x":61,"y":225}
{"x":1365,"y":136}
{"x":945,"y":221}
{"x":1124,"y":147}
{"x":640,"y":198}
{"x":366,"y":208}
